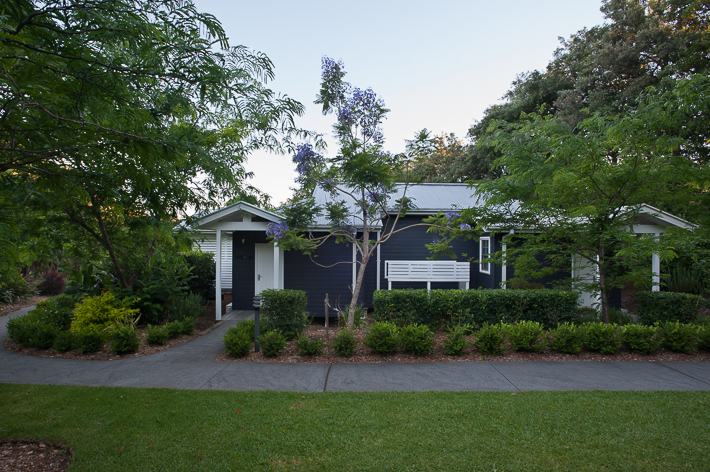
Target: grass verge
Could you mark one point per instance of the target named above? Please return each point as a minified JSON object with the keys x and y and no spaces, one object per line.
{"x":161,"y":429}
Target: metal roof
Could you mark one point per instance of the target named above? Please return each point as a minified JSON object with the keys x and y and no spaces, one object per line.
{"x":427,"y":199}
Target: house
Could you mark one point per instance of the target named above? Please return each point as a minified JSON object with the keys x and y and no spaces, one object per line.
{"x":248,"y":263}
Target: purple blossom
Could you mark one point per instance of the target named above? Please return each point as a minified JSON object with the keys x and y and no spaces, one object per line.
{"x":327,"y":184}
{"x":465,"y":226}
{"x":346,"y":228}
{"x":452,"y":215}
{"x":277,"y":230}
{"x":377,"y":195}
{"x":306,"y":159}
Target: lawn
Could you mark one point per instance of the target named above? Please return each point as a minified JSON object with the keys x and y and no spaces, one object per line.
{"x":161,"y":429}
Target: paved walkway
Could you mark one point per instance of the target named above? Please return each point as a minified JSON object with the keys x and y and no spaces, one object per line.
{"x":192,"y":366}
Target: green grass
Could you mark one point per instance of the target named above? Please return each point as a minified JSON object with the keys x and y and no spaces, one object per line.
{"x":159,"y":429}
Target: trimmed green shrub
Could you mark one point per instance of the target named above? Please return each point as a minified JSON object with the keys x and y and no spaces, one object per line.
{"x":566,"y":338}
{"x":489,"y":339}
{"x":192,"y":306}
{"x":345,"y":343}
{"x":667,"y":306}
{"x":65,"y":341}
{"x":285,"y":310}
{"x":237,"y":343}
{"x":124,"y":339}
{"x":416,"y":339}
{"x":309,"y":346}
{"x":248,"y":327}
{"x":601,"y":337}
{"x":203,"y":272}
{"x":639,"y":338}
{"x":272,"y":343}
{"x":156,"y":335}
{"x":173,"y":329}
{"x":382,"y":337}
{"x":476,"y":307}
{"x":101,"y":312}
{"x":526,"y":336}
{"x":89,"y":341}
{"x":704,"y":337}
{"x":403,"y":307}
{"x":455,"y":342}
{"x":30,"y":331}
{"x":678,"y":337}
{"x":187,"y":326}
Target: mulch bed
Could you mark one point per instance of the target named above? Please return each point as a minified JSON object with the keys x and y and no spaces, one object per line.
{"x":364,"y":354}
{"x":105,"y":354}
{"x":23,"y":303}
{"x":22,"y":455}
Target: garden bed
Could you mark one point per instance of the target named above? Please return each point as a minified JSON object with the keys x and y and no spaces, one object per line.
{"x":33,"y":455}
{"x":204,"y":322}
{"x":364,"y":354}
{"x":23,"y":303}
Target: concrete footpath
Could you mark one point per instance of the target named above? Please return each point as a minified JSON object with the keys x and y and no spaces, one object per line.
{"x":192,"y":366}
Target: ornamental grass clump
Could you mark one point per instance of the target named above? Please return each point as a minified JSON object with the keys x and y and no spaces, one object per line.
{"x":566,"y":338}
{"x":528,"y":336}
{"x":601,"y":337}
{"x":678,"y":337}
{"x":309,"y":346}
{"x":455,"y":342}
{"x":237,"y":343}
{"x":489,"y":339}
{"x":272,"y":343}
{"x":382,"y":337}
{"x":641,"y":339}
{"x":345,"y":343}
{"x":416,"y":339}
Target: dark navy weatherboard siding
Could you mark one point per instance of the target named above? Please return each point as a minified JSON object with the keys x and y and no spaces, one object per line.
{"x":410,"y":245}
{"x":301,"y":273}
{"x":243,"y":268}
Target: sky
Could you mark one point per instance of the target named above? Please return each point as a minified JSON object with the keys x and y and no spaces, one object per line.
{"x":436,"y":65}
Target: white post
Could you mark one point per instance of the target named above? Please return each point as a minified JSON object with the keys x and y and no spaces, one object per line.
{"x":504,"y":267}
{"x":277,"y":266}
{"x":378,"y":261}
{"x":354,"y":269}
{"x":656,"y":268}
{"x":218,"y":276}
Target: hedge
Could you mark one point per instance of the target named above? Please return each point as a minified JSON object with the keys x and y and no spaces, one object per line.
{"x":654,"y":307}
{"x":285,"y":310}
{"x":403,"y":307}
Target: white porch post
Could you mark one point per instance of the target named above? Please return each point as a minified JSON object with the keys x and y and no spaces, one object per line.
{"x":378,"y":261}
{"x":504,"y":267}
{"x":656,"y":268}
{"x":218,"y":276}
{"x":354,"y":269}
{"x":277,"y":266}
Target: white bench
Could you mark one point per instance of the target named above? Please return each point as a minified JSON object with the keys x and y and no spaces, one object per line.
{"x":427,"y":271}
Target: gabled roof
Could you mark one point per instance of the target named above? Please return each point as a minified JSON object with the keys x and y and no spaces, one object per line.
{"x":233,"y":213}
{"x":427,"y":198}
{"x":649,"y":214}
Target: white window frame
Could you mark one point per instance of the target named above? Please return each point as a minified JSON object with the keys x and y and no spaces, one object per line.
{"x":484,"y":267}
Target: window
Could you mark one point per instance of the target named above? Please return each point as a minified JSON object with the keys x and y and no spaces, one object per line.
{"x":485,"y":250}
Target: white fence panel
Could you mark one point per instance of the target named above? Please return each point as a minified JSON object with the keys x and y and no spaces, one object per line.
{"x":427,"y":271}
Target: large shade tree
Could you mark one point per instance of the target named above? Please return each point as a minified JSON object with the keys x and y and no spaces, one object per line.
{"x":124,"y":113}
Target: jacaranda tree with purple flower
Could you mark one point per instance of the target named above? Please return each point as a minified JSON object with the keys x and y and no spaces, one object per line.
{"x":360,"y":180}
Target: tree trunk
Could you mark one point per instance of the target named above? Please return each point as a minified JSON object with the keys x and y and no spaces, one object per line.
{"x":356,"y":290}
{"x":108,"y":244}
{"x":604,"y":292}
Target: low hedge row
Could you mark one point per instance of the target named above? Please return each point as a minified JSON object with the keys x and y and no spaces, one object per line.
{"x":652,"y":307}
{"x":475,"y":307}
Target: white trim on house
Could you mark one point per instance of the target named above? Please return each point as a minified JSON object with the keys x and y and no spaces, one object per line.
{"x":228,"y":213}
{"x":428,"y":271}
{"x":484,"y":267}
{"x":207,"y":244}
